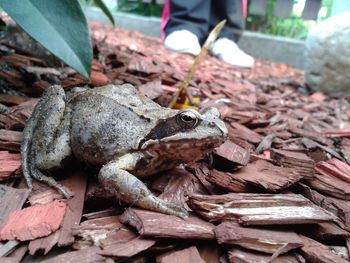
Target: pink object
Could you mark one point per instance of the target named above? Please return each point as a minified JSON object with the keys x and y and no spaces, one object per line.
{"x":33,"y":222}
{"x":245,"y":8}
{"x":165,"y":17}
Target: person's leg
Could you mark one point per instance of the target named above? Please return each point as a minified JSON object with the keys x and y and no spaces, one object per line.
{"x":191,"y":15}
{"x":188,"y":25}
{"x":225,"y":47}
{"x":232,"y":11}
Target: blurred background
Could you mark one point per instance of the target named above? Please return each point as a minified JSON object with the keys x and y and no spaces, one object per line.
{"x":288,"y":18}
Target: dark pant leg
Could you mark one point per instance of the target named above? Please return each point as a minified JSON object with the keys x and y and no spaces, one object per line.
{"x":232,"y":11}
{"x":192,"y":15}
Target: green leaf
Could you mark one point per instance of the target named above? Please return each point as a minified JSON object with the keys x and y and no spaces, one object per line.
{"x":59,"y":25}
{"x":105,"y":10}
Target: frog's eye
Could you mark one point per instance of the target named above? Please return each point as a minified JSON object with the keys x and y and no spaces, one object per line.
{"x":187,"y":119}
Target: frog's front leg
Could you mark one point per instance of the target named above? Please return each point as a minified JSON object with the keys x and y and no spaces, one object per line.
{"x":115,"y":177}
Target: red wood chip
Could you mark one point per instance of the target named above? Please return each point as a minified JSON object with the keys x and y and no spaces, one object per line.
{"x":333,"y":167}
{"x":10,"y":162}
{"x":33,"y":222}
{"x":318,"y":96}
{"x":98,"y":78}
{"x":233,"y":153}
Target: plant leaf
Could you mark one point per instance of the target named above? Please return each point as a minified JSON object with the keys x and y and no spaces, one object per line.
{"x":59,"y":25}
{"x":105,"y":10}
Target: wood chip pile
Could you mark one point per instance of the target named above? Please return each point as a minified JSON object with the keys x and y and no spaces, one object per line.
{"x":277,"y":191}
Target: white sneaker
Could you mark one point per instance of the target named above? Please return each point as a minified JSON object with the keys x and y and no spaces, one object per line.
{"x":183,"y":41}
{"x":228,"y":51}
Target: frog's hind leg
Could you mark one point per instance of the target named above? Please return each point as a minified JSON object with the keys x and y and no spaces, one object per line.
{"x":115,"y":177}
{"x":38,"y":175}
{"x":26,"y":145}
{"x":46,"y":138}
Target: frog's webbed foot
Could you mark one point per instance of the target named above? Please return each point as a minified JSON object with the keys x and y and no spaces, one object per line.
{"x":154,"y":203}
{"x":115,"y":177}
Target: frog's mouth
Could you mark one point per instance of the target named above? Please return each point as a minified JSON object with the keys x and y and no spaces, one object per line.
{"x":181,"y":150}
{"x":181,"y":143}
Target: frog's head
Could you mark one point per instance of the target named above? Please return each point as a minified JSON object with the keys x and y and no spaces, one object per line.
{"x":187,"y":135}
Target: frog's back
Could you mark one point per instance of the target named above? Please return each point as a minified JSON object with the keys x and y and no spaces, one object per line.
{"x":106,"y":123}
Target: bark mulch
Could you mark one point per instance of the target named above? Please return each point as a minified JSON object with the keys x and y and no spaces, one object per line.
{"x":276,"y":191}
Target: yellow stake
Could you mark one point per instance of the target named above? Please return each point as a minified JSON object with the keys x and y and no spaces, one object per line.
{"x":208,"y":42}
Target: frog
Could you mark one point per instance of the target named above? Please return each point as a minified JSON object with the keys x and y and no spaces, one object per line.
{"x":126,"y":135}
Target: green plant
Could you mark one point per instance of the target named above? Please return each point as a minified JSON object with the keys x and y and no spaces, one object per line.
{"x":140,"y":8}
{"x":293,"y":26}
{"x":59,"y":25}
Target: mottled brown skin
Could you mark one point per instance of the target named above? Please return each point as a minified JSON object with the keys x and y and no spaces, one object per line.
{"x":127,"y":134}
